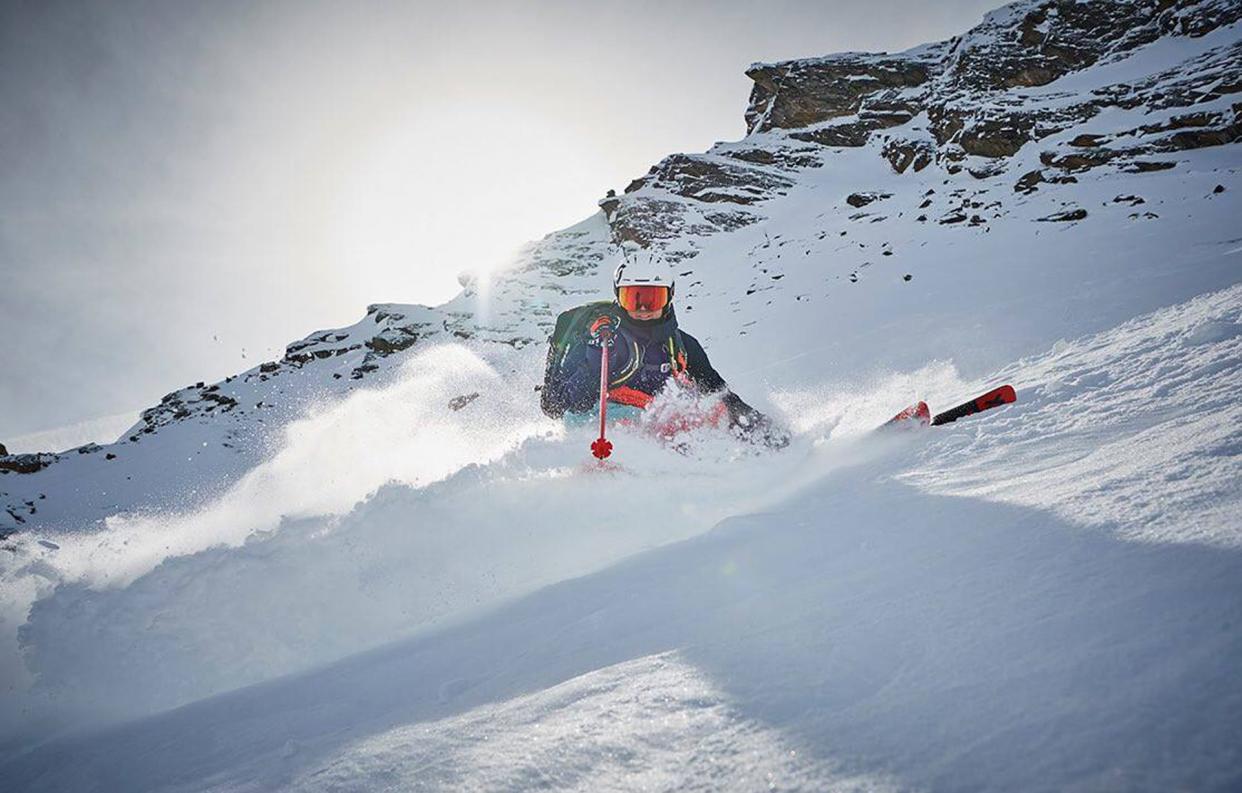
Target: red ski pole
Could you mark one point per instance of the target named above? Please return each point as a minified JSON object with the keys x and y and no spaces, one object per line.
{"x":601,"y":447}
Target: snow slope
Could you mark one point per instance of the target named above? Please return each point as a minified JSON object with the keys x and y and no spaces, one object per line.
{"x":375,"y":565}
{"x":859,"y":633}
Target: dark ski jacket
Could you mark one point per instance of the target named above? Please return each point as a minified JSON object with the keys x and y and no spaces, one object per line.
{"x":643,"y":356}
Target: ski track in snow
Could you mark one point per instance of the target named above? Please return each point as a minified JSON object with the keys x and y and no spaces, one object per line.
{"x":1138,"y":429}
{"x":655,"y":723}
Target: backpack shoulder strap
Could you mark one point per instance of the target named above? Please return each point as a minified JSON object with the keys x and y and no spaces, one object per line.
{"x":676,"y":347}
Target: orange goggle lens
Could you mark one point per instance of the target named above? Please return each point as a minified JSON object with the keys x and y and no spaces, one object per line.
{"x":642,"y":298}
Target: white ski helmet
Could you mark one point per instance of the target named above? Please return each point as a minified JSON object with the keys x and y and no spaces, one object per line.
{"x":643,"y":269}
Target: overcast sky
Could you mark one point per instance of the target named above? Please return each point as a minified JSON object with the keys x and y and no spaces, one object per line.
{"x":187,"y":186}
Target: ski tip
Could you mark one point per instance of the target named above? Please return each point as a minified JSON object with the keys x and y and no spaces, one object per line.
{"x":917,"y":413}
{"x":1004,"y":395}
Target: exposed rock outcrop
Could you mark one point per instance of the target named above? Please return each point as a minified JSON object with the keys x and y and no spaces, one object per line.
{"x":712,"y":180}
{"x":26,"y":463}
{"x":967,"y":85}
{"x":903,"y":154}
{"x":858,"y":200}
{"x":971,"y":103}
{"x":801,"y":93}
{"x":1066,"y":216}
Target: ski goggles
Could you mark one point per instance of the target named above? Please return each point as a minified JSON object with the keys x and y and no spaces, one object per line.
{"x":643,"y":298}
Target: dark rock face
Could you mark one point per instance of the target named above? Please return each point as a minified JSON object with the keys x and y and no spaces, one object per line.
{"x":1140,"y":166}
{"x":1028,"y":182}
{"x":1050,"y":41}
{"x":851,"y":134}
{"x":195,"y":400}
{"x":801,"y":93}
{"x":723,"y":184}
{"x":647,"y":220}
{"x":387,"y":346}
{"x":1066,"y":216}
{"x":967,"y":104}
{"x":787,"y":160}
{"x":970,"y":86}
{"x":996,"y":137}
{"x":26,"y":463}
{"x":858,"y":200}
{"x":712,"y":179}
{"x":903,"y":154}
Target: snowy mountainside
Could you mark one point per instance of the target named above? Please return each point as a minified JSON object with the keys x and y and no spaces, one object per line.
{"x":1050,"y":199}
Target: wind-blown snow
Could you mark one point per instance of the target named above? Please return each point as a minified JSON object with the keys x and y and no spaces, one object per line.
{"x":414,"y":553}
{"x":328,"y":461}
{"x":104,"y":429}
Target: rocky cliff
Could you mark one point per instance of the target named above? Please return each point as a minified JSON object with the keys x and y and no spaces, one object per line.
{"x":970,"y":103}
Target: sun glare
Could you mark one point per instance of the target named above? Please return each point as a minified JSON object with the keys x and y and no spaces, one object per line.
{"x":424,"y":198}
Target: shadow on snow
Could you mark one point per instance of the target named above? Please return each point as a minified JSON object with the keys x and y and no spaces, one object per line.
{"x":962,"y":644}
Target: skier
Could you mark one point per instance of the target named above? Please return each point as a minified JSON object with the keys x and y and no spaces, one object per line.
{"x":646,"y":349}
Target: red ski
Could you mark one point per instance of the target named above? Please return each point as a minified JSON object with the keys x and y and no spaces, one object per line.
{"x":1004,"y":395}
{"x":920,"y":414}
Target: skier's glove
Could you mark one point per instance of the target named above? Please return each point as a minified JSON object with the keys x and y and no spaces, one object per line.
{"x":764,"y":431}
{"x":603,"y":331}
{"x":752,"y":425}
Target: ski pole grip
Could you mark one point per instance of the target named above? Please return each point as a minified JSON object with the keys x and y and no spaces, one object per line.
{"x":602,"y":329}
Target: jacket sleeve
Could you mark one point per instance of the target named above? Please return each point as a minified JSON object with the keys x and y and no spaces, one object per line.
{"x":709,"y":381}
{"x":571,"y":373}
{"x":742,"y":417}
